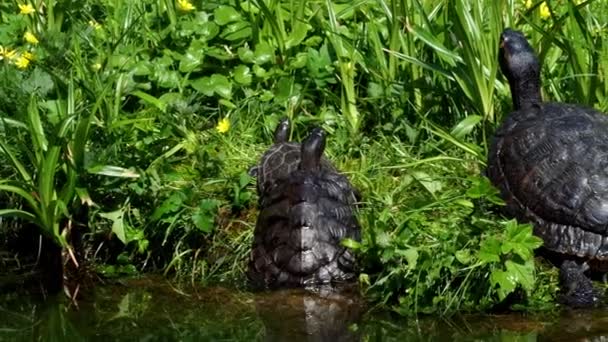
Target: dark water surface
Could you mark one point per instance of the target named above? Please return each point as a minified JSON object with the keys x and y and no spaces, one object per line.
{"x":151,"y":309}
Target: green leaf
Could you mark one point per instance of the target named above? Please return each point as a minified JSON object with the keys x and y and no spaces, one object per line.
{"x":191,"y":60}
{"x":203,"y":220}
{"x":225,"y":14}
{"x":481,"y":187}
{"x":37,"y":131}
{"x":113,"y":171}
{"x":264,"y":53}
{"x":118,"y":226}
{"x":237,"y":31}
{"x":244,"y":179}
{"x":245,"y":54}
{"x":218,"y":84}
{"x":465,"y":126}
{"x":169,"y":205}
{"x":506,"y":283}
{"x":20,"y":214}
{"x":242,"y":74}
{"x":489,"y":251}
{"x":147,"y":98}
{"x":208,"y":30}
{"x":427,"y":182}
{"x":350,"y":243}
{"x":411,"y":256}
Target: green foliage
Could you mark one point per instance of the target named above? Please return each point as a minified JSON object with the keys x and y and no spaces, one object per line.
{"x":150,"y":112}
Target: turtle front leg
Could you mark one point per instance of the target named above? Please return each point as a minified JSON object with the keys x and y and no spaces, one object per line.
{"x":577,"y":288}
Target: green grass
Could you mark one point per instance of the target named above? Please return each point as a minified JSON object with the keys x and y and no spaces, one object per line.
{"x":117,"y":112}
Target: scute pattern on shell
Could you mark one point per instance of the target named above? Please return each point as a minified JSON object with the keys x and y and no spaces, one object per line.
{"x":297,"y":237}
{"x":550,"y":163}
{"x":278,"y":162}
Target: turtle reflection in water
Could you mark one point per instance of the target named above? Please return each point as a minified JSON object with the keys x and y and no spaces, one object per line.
{"x":306,"y":209}
{"x":301,"y":315}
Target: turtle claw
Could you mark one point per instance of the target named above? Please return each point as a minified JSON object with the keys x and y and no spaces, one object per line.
{"x":577,"y":287}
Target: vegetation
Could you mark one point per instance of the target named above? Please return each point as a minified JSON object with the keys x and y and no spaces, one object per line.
{"x":127,"y":128}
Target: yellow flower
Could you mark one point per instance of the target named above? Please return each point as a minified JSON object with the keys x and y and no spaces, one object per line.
{"x":28,"y":55}
{"x":21,"y":62}
{"x":544,"y":10}
{"x":96,"y":66}
{"x":30,"y":38}
{"x":223,"y":126}
{"x":185,"y":5}
{"x":528,"y":4}
{"x":26,"y":9}
{"x":94,"y":24}
{"x":6,"y":52}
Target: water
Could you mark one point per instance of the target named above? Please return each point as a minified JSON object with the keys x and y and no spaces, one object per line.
{"x":151,"y":309}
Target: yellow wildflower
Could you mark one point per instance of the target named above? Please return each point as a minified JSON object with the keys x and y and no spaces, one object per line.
{"x":26,"y":9}
{"x":21,"y":62}
{"x":8,"y":53}
{"x":94,"y":24}
{"x":28,"y":55}
{"x":544,"y":10}
{"x":30,"y":38}
{"x":185,"y":5}
{"x":96,"y":66}
{"x":223,"y":126}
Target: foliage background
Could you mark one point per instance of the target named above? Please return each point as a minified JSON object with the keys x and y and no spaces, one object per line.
{"x":128,"y":127}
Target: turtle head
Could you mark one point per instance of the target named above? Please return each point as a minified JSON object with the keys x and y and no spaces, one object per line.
{"x":312,"y":150}
{"x":520,"y":66}
{"x":281,"y":133}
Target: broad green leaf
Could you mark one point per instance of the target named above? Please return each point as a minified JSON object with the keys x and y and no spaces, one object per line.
{"x":411,"y":256}
{"x":505,"y":282}
{"x":244,"y":179}
{"x":118,"y":226}
{"x":431,"y":185}
{"x":191,"y":60}
{"x":208,"y":30}
{"x":264,"y":53}
{"x":218,"y":84}
{"x":246,"y":55}
{"x":169,"y":205}
{"x":242,"y":74}
{"x":489,"y":251}
{"x":225,"y":14}
{"x":237,"y":31}
{"x":465,"y":126}
{"x":203,"y":221}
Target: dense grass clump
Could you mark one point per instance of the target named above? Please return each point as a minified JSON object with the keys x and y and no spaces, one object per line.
{"x":127,"y":128}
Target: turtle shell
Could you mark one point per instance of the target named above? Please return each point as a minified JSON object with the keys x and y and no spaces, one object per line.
{"x":550,"y":163}
{"x":278,"y":162}
{"x":297,"y":236}
{"x":305,"y":213}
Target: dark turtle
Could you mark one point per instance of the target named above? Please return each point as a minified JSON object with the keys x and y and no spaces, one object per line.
{"x":280,"y":159}
{"x":550,"y":162}
{"x":303,"y":218}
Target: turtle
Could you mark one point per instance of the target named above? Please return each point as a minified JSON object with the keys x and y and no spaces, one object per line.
{"x":303,"y":219}
{"x":280,"y":159}
{"x":550,"y":162}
